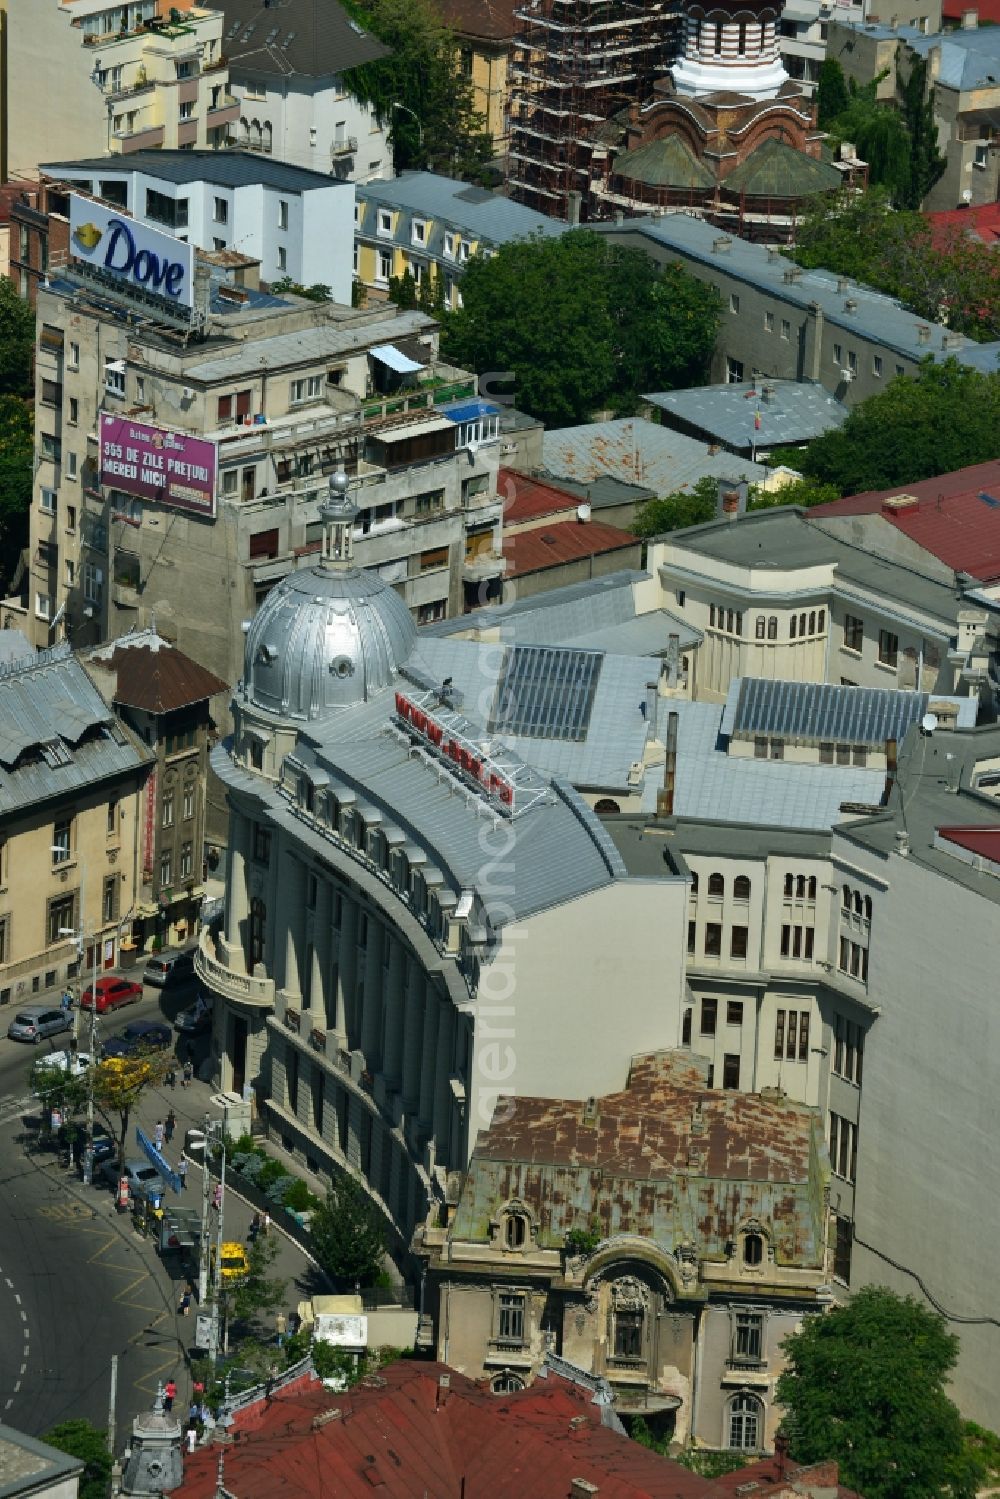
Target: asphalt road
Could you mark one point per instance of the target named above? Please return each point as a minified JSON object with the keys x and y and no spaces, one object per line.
{"x":76,"y":1283}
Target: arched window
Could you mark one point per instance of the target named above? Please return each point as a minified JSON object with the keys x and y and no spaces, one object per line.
{"x":846,"y":897}
{"x":800,"y":887}
{"x":606,"y":806}
{"x":868,"y":908}
{"x":802,"y":624}
{"x":629,"y":1309}
{"x":753,"y":1249}
{"x":743,"y":39}
{"x":812,"y":887}
{"x":772,"y":627}
{"x":789,"y":885}
{"x":760,"y":627}
{"x":812,"y":622}
{"x":267,"y":135}
{"x":515,"y":1230}
{"x":763,"y":33}
{"x":791,"y":628}
{"x":741,"y":887}
{"x":257,"y":931}
{"x":686,"y":1028}
{"x":716,"y":884}
{"x":506,"y":1382}
{"x":694,"y":882}
{"x":821,"y":621}
{"x":858,"y":903}
{"x":746,"y":1422}
{"x":245,"y":132}
{"x":697,"y":36}
{"x":255,"y":135}
{"x":718,"y":38}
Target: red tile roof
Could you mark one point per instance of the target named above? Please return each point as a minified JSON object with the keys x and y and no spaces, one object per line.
{"x":983,"y":222}
{"x":397,"y":1435}
{"x":984,"y":841}
{"x":525,"y":498}
{"x":563,"y":541}
{"x":493,"y":20}
{"x":768,"y":1479}
{"x":161,"y":680}
{"x":952,"y":520}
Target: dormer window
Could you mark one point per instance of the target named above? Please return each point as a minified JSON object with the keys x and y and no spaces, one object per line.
{"x":515,"y":1230}
{"x":753,"y":1249}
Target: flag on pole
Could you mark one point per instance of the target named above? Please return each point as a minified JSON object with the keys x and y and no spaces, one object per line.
{"x":756,"y":420}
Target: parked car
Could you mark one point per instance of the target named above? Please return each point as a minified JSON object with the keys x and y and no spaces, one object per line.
{"x":35,"y":1022}
{"x":73,"y":1062}
{"x":112,"y":993}
{"x":196,"y":1020}
{"x":169,"y":969}
{"x":235,"y":1265}
{"x":143,"y":1179}
{"x":105,"y":1147}
{"x":139,"y":1036}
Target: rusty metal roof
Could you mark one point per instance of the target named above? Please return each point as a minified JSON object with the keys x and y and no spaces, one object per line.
{"x":667,"y":1158}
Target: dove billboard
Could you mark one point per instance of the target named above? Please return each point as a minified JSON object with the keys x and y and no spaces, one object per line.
{"x":129,"y":252}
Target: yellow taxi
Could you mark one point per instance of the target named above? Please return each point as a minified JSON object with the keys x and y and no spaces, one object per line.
{"x":235,"y":1265}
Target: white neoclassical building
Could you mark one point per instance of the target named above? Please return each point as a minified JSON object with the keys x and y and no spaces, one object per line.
{"x":417,"y":921}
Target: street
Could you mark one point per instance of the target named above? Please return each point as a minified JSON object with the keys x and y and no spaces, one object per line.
{"x":77,"y":1283}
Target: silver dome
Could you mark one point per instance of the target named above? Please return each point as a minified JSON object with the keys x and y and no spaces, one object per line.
{"x":324,"y":639}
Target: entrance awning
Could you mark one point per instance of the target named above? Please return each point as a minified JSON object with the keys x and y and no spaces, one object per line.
{"x":395,"y":359}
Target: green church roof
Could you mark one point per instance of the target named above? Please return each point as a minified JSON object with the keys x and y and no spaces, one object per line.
{"x":775,"y":170}
{"x":664,"y":163}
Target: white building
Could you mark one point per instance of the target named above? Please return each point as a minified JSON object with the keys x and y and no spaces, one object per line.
{"x":290,"y":71}
{"x":297,"y":223}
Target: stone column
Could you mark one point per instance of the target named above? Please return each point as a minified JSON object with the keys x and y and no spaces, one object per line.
{"x":371,"y":1014}
{"x":443,"y":1101}
{"x":413,"y":1021}
{"x":392,"y":1051}
{"x":320,"y":956}
{"x":293,"y":912}
{"x":237,"y":891}
{"x":347,"y":968}
{"x":428,"y":1056}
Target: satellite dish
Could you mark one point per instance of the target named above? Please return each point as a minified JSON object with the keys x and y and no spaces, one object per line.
{"x":583,"y":513}
{"x":928,"y":723}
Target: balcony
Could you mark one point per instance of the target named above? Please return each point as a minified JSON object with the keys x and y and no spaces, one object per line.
{"x":187,"y":133}
{"x":347,"y":147}
{"x":149,"y":139}
{"x":241,"y":987}
{"x":480,"y":569}
{"x":225,"y":112}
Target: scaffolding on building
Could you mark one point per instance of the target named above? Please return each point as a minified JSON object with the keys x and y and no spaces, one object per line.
{"x":575,"y":64}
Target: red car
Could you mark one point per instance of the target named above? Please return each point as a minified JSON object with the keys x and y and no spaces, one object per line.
{"x":112,"y":993}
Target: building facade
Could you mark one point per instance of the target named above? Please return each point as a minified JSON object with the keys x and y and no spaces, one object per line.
{"x":484,"y":32}
{"x":672,"y":1268}
{"x":73,"y":779}
{"x":131,"y":77}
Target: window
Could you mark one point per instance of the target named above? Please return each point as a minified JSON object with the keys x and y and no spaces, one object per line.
{"x":791,"y":1032}
{"x":734,"y":368}
{"x":629,"y":1324}
{"x":73,"y":411}
{"x":738,"y":939}
{"x":843,"y":1147}
{"x":282,"y":214}
{"x":71,"y":518}
{"x":786,"y":328}
{"x":93,"y":582}
{"x":838,"y":354}
{"x":166,"y":866}
{"x":854,"y":633}
{"x":73,"y":359}
{"x":188,"y":802}
{"x":686,"y":1028}
{"x":745,"y":1422}
{"x":777,"y":749}
{"x":449,"y":246}
{"x":186,"y":861}
{"x":692,"y":929}
{"x":109,"y":899}
{"x":716,"y":884}
{"x":384,"y":221}
{"x":168,"y":809}
{"x":843,"y":1239}
{"x":772,"y":627}
{"x":185,"y":111}
{"x":112,"y":822}
{"x":506,"y":1382}
{"x":48,"y":502}
{"x":713,"y":940}
{"x":748,"y":1340}
{"x":282,"y":258}
{"x":877,"y":366}
{"x":61,"y":919}
{"x":734,"y":1012}
{"x":515,"y":1230}
{"x":220,"y":211}
{"x":419,"y":231}
{"x":826,"y":752}
{"x":308,"y":389}
{"x":852,"y":361}
{"x":114,"y":377}
{"x":753,"y":1249}
{"x":384,"y":265}
{"x":769,"y":322}
{"x":741,"y":887}
{"x":734,"y":302}
{"x":709,"y":1010}
{"x":848,"y":1049}
{"x":261,"y":844}
{"x":510,"y":1317}
{"x":792,"y":628}
{"x":731,"y":1070}
{"x":888,"y":648}
{"x":256,"y":931}
{"x":759,"y":747}
{"x":760,"y":627}
{"x":62,"y":840}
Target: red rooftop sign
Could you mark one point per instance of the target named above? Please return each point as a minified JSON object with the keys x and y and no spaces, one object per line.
{"x":466,"y":760}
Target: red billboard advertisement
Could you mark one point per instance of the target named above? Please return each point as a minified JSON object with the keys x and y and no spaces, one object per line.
{"x":153,"y":463}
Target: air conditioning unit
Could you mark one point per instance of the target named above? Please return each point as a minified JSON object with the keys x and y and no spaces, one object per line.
{"x":847,"y":375}
{"x":188,"y":393}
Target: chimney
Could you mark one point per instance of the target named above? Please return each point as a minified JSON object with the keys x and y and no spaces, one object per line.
{"x":850,"y":305}
{"x":443,"y":1387}
{"x":923,"y":333}
{"x":891,"y":768}
{"x":773,"y":254}
{"x":722,"y":245}
{"x":767,"y":394}
{"x":731,"y":503}
{"x":673,"y":659}
{"x":665,"y":794}
{"x":934,"y":63}
{"x":793,"y":274}
{"x":843,"y":282}
{"x":970,"y":20}
{"x":582,"y":1488}
{"x":952,"y":340}
{"x":903,"y":843}
{"x":573,"y":201}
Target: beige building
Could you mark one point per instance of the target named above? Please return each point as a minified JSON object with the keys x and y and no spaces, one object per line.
{"x":484,"y":31}
{"x":666,"y":1237}
{"x":72,"y":779}
{"x":116,"y":78}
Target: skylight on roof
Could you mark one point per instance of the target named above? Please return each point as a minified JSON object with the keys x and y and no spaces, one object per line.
{"x":546,"y":692}
{"x":55,"y":753}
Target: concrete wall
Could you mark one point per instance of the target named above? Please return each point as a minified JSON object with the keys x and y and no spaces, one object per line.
{"x":305,"y":114}
{"x":524,"y":585}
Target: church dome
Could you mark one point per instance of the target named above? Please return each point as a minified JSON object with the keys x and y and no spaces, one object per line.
{"x":325,"y":639}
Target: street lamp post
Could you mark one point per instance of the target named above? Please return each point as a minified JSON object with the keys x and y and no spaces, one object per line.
{"x":408,"y":111}
{"x":79,"y":933}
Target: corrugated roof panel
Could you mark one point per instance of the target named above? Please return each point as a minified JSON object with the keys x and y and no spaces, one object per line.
{"x":546,"y":692}
{"x":820,"y":712}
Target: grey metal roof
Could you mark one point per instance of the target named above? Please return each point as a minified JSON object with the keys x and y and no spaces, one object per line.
{"x":970,"y":59}
{"x":878,"y":319}
{"x":604,"y":491}
{"x":53,"y":716}
{"x":789,"y":411}
{"x":812,"y":712}
{"x":640,"y":452}
{"x":311,"y":38}
{"x":332,"y":341}
{"x":485,"y":216}
{"x":716,"y":787}
{"x":224,"y":168}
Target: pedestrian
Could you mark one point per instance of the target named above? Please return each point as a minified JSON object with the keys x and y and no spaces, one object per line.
{"x":170,"y":1126}
{"x":217,"y":1197}
{"x":158,"y":1134}
{"x":182,"y":1171}
{"x":185,"y":1303}
{"x":169,"y":1395}
{"x":197,"y":1390}
{"x":170,"y":1077}
{"x":193,"y":1413}
{"x":265,"y":1223}
{"x":280,"y":1327}
{"x":254,"y":1228}
{"x":192,"y":1439}
{"x":188,"y":1073}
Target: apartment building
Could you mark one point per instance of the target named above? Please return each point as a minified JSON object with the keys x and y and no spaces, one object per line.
{"x":809,"y":28}
{"x":71,"y":831}
{"x":290,"y":69}
{"x":431,"y":226}
{"x":131,"y":76}
{"x":183,"y":450}
{"x":572,"y":1235}
{"x":484,"y":32}
{"x":785,"y":323}
{"x":292,"y":223}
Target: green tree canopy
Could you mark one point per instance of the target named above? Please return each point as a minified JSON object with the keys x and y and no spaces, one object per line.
{"x":419,"y":90}
{"x":582,"y":323}
{"x":348,"y":1234}
{"x":700,"y":503}
{"x":899,"y":145}
{"x":865,"y":1384}
{"x":16,"y":453}
{"x":89,"y":1444}
{"x":944,"y":417}
{"x":17,"y":339}
{"x":832,"y":94}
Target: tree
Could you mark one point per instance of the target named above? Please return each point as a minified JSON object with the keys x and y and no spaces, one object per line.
{"x":256,"y":1293}
{"x":944,"y":417}
{"x":926,"y":162}
{"x":865,"y":1385}
{"x":81,"y":1440}
{"x":801,"y":491}
{"x":418,"y":90}
{"x":16,"y":454}
{"x":403,"y":289}
{"x":684,"y":507}
{"x":17,"y":341}
{"x":119,"y":1083}
{"x":832,"y":95}
{"x":348,"y":1234}
{"x":583,"y":324}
